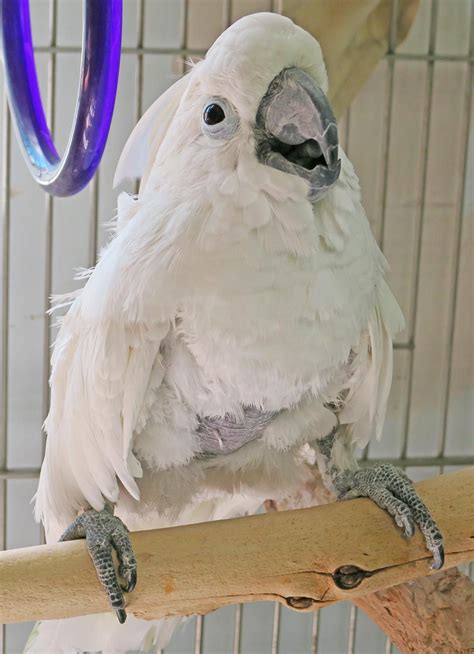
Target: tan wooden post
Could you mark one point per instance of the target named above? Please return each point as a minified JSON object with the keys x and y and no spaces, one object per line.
{"x":354,"y":36}
{"x":299,"y":558}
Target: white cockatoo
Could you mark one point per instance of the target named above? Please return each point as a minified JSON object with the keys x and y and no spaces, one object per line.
{"x":237,"y":323}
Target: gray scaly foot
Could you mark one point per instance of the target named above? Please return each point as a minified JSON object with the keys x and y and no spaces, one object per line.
{"x":104,"y":531}
{"x":391,"y":489}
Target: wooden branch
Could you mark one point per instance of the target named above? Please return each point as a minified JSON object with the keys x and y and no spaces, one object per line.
{"x":432,"y":614}
{"x":295,"y":557}
{"x":354,"y":37}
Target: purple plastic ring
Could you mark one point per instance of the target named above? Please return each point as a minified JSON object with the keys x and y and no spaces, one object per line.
{"x":100,"y":62}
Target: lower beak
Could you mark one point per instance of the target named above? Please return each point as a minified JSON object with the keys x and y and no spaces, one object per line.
{"x":297,"y":132}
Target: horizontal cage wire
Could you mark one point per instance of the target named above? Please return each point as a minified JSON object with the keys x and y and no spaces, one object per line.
{"x":432,"y":54}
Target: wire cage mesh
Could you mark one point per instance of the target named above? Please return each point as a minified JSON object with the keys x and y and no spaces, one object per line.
{"x":409,"y":135}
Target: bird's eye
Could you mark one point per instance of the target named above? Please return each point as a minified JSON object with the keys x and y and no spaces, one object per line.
{"x":219,"y":119}
{"x":213,"y":114}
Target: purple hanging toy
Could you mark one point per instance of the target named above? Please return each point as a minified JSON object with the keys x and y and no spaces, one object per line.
{"x":100,"y":61}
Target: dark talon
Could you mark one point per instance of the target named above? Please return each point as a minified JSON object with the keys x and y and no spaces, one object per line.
{"x":438,"y":558}
{"x":393,"y":491}
{"x":104,"y":531}
{"x":409,"y":530}
{"x":121,"y":615}
{"x":132,"y":582}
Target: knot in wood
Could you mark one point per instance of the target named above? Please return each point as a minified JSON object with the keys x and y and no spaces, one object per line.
{"x":299,"y":602}
{"x":349,"y":576}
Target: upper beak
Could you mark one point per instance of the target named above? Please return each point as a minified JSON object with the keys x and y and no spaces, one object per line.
{"x":297,"y":132}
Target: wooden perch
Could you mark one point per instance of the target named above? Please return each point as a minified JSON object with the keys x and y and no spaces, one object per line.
{"x":354,"y":37}
{"x":300,"y":558}
{"x":431,"y":614}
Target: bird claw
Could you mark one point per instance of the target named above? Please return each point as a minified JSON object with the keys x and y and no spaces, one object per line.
{"x":391,"y":489}
{"x":104,"y":532}
{"x":438,"y":558}
{"x":131,"y":576}
{"x":121,"y":615}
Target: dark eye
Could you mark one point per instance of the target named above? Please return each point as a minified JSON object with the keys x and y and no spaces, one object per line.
{"x":213,"y":114}
{"x":219,"y":119}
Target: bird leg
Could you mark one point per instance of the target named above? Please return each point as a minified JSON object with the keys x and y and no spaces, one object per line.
{"x":387,"y":486}
{"x":104,"y":531}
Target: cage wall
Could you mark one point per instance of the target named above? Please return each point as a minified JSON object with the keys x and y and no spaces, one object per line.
{"x":409,"y":135}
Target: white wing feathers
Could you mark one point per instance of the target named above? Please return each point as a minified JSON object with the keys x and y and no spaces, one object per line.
{"x":103,"y":358}
{"x":366,"y":403}
{"x":99,"y":381}
{"x":140,"y":150}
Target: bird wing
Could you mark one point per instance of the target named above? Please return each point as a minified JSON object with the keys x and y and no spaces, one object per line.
{"x":106,"y":368}
{"x":364,"y":291}
{"x":369,"y":388}
{"x":142,"y":145}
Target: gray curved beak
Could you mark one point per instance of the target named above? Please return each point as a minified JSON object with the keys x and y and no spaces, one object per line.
{"x":296,"y":131}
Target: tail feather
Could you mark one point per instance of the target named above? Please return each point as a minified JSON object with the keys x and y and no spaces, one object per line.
{"x":100,"y":633}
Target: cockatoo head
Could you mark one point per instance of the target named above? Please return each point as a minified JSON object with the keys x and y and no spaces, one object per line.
{"x":252,"y":116}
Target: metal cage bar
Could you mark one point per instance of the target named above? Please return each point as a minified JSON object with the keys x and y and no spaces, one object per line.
{"x":6,"y":187}
{"x":424,"y":176}
{"x":459,"y":219}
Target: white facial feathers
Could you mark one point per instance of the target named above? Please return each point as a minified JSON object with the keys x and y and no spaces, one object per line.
{"x":238,"y":68}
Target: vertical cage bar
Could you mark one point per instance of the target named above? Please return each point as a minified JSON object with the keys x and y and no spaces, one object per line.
{"x":184,"y":24}
{"x":183,"y":62}
{"x":459,"y":222}
{"x":198,"y":634}
{"x":139,"y":54}
{"x":49,"y":202}
{"x":49,"y":210}
{"x":276,"y":6}
{"x":93,"y":218}
{"x":424,"y":176}
{"x":6,"y":157}
{"x":388,"y":112}
{"x":5,"y":209}
{"x":352,"y":630}
{"x":276,"y":627}
{"x":388,"y":129}
{"x":139,"y":70}
{"x":227,"y":13}
{"x":347,"y":131}
{"x":237,"y":629}
{"x":315,"y":633}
